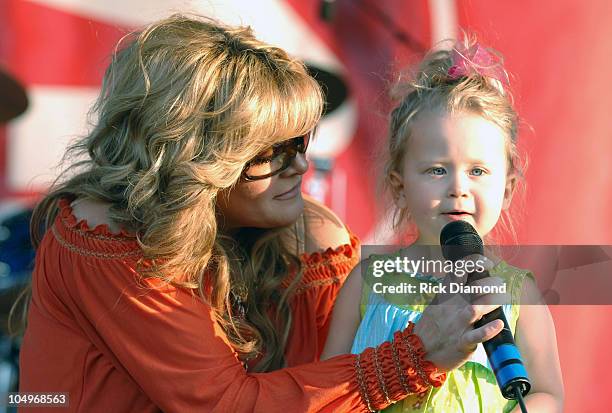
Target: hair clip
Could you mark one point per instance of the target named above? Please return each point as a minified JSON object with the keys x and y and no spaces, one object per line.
{"x":477,"y":59}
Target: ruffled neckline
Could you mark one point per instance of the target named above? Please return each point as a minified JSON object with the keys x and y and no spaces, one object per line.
{"x":327,"y":267}
{"x":342,"y":251}
{"x":332,"y":264}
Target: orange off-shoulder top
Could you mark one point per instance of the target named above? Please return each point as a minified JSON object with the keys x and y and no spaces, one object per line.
{"x":95,"y":333}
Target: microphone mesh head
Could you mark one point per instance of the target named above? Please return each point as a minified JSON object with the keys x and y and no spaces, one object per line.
{"x":459,"y":239}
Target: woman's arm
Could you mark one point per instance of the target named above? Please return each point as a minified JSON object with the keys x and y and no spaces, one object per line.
{"x":537,"y":341}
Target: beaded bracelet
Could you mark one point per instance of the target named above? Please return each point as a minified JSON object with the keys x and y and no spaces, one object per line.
{"x":362,"y":385}
{"x":380,"y":377}
{"x":418,"y":363}
{"x":398,"y":368}
{"x":414,"y":360}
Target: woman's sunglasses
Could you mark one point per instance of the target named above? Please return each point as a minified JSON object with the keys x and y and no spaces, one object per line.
{"x":275,"y":159}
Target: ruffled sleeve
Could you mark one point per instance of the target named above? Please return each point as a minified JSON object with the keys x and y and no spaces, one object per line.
{"x":324,"y":274}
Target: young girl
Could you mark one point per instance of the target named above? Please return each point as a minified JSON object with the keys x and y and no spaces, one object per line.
{"x":452,"y":155}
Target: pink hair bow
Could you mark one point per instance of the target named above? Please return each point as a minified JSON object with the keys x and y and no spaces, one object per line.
{"x":476,"y":59}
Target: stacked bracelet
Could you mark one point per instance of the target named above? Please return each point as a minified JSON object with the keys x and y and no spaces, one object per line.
{"x":363,"y":390}
{"x":426,"y":370}
{"x":381,"y":377}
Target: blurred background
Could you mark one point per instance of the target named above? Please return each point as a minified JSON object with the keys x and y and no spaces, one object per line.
{"x":53,"y":54}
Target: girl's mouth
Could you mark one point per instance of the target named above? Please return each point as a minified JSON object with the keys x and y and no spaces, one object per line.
{"x":455,"y":215}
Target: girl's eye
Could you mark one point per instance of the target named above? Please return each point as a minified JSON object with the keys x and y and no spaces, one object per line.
{"x":478,"y":172}
{"x":436,"y":171}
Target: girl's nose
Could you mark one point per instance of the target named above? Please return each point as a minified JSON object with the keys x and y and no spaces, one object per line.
{"x":459,"y":186}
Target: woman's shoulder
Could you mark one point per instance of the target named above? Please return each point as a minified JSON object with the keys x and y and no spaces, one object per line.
{"x":323,"y":229}
{"x":329,"y":250}
{"x":93,"y":214}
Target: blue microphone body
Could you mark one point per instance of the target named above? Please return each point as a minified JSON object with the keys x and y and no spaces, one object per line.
{"x":459,"y":239}
{"x":505,"y":358}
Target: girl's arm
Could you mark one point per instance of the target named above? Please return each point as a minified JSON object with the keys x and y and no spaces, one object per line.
{"x":346,"y":317}
{"x":537,"y":341}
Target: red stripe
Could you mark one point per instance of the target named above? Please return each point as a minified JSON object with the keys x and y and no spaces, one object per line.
{"x":45,"y":46}
{"x":52,"y":47}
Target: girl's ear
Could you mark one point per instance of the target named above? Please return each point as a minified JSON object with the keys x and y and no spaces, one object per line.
{"x":396,"y":184}
{"x":509,"y":190}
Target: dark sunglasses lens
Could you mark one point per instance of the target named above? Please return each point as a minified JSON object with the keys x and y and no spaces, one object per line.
{"x":285,"y":153}
{"x":261,"y":170}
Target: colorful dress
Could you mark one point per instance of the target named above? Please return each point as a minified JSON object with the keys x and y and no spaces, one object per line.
{"x":472,"y":387}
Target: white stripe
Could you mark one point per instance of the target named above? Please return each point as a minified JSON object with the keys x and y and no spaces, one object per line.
{"x":38,"y":139}
{"x":444,"y":24}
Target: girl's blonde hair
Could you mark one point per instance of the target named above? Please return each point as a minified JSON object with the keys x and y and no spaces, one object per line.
{"x":452,"y":81}
{"x":185,"y":103}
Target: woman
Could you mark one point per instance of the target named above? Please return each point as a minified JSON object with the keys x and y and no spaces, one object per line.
{"x":181,"y":269}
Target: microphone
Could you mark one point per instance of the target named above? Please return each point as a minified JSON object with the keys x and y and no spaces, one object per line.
{"x":459,"y":239}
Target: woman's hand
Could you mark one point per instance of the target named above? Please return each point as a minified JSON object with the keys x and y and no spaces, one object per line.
{"x":447,"y":329}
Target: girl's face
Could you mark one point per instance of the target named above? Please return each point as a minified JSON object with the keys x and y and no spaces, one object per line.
{"x":454,"y":167}
{"x":272,"y":202}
